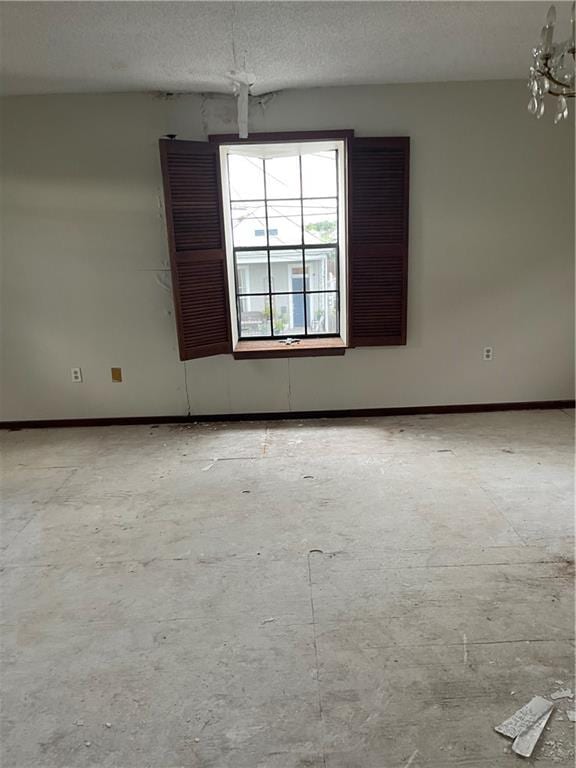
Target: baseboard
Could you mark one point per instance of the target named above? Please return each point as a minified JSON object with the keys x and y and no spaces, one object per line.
{"x":279,"y":415}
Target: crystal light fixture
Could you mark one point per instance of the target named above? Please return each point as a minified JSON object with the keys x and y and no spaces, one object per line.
{"x":552,"y":70}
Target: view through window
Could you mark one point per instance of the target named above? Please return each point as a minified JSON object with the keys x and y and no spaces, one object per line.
{"x":285,"y":241}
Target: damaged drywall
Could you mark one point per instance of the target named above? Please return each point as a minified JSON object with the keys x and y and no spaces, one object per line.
{"x":164,"y":279}
{"x":197,"y":115}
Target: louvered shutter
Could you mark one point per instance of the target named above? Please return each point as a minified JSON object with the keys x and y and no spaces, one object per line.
{"x":378,"y":240}
{"x":194,"y":219}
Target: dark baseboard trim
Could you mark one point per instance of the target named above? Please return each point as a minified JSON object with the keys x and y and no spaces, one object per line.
{"x":348,"y":413}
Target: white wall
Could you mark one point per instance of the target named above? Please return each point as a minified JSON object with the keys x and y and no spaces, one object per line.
{"x":85,"y":256}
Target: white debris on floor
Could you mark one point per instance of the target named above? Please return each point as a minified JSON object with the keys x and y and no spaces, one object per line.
{"x":558,"y":751}
{"x":524,"y":718}
{"x":526,"y":725}
{"x":564,"y":693}
{"x":524,"y":744}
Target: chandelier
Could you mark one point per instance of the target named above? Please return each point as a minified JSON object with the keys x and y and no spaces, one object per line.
{"x":552,"y":70}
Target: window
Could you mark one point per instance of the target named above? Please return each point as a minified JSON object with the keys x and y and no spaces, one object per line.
{"x":299,"y":235}
{"x":285,"y":239}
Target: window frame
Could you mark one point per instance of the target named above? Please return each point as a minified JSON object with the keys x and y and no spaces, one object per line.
{"x":338,"y":146}
{"x":378,"y":243}
{"x":337,"y":140}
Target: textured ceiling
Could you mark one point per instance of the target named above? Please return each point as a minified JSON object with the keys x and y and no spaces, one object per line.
{"x":83,"y":47}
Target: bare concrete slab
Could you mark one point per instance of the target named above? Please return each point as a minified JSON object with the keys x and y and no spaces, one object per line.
{"x":359,"y":593}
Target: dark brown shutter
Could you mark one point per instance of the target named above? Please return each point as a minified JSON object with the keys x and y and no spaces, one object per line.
{"x":378,"y":240}
{"x":194,"y":219}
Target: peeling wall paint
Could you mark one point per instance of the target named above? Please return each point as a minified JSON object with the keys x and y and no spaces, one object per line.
{"x":217,"y":113}
{"x":161,"y":208}
{"x":164,"y":279}
{"x":218,"y":109}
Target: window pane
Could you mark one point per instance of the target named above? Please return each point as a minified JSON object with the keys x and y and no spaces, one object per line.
{"x":319,"y":174}
{"x":320,"y":221}
{"x":249,"y":224}
{"x":322,"y":312}
{"x":251,"y":271}
{"x":286,"y":270}
{"x":282,"y":177}
{"x":246,"y":177}
{"x":321,"y":269}
{"x":285,"y":222}
{"x":254,"y":316}
{"x":288,"y":314}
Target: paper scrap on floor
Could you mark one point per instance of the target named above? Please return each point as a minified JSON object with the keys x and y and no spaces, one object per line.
{"x":524,"y":718}
{"x":524,"y":744}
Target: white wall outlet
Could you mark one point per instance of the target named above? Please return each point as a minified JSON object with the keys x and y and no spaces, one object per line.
{"x":76,"y":375}
{"x":488,"y":353}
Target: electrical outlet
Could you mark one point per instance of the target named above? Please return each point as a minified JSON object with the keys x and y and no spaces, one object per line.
{"x":76,"y":375}
{"x":488,"y":353}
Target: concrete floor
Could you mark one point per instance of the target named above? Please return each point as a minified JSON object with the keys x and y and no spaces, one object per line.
{"x":368,"y":593}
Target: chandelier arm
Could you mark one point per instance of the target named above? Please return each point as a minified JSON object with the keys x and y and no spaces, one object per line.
{"x":550,"y":77}
{"x":566,"y":95}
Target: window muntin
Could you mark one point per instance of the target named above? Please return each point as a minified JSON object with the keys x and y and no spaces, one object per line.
{"x":285,"y":242}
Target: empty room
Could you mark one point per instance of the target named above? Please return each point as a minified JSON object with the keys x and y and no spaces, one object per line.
{"x":287,"y":384}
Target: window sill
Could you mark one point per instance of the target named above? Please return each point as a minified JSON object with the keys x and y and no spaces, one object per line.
{"x":254,"y":350}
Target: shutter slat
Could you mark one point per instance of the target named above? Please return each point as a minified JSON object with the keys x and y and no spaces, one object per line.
{"x":378,"y":216}
{"x":191,"y":175}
